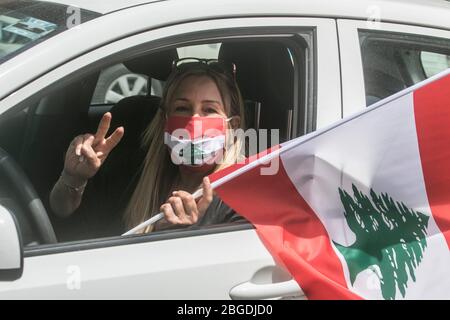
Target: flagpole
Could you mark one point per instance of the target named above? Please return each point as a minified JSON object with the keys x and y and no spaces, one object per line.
{"x":157,"y":217}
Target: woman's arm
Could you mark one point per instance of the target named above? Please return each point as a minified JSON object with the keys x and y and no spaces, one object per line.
{"x":84,"y":158}
{"x":66,"y":195}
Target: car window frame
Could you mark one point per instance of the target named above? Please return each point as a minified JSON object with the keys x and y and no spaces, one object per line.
{"x":162,"y":42}
{"x":405,"y":41}
{"x":108,"y":242}
{"x":353,"y":89}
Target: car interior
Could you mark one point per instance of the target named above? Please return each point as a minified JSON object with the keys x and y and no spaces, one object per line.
{"x":391,"y":64}
{"x":35,"y":138}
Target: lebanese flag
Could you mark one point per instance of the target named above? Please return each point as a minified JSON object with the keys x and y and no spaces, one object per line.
{"x":360,"y":209}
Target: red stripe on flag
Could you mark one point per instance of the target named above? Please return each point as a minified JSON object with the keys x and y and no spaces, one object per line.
{"x":290,"y":230}
{"x":227,"y":170}
{"x":432,"y":114}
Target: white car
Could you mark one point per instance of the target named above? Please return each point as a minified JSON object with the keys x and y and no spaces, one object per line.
{"x":301,"y":65}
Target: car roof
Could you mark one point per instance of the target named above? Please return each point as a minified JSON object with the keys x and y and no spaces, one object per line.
{"x":103,"y":6}
{"x":330,"y":8}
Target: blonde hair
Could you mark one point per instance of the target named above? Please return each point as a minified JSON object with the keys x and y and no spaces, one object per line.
{"x":159,"y":173}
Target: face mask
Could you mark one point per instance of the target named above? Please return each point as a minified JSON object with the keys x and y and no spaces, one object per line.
{"x":195,"y":141}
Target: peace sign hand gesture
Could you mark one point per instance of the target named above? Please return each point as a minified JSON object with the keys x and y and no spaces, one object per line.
{"x":87,"y":152}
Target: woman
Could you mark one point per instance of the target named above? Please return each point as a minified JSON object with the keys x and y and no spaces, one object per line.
{"x":198,"y":96}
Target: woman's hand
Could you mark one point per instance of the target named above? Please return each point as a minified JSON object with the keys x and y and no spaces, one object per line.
{"x":182,"y":209}
{"x":87,"y":152}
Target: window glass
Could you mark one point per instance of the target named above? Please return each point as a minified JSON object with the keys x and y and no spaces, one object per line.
{"x":393,"y":62}
{"x":203,"y":51}
{"x":434,"y":63}
{"x":25,"y":23}
{"x":116,"y":83}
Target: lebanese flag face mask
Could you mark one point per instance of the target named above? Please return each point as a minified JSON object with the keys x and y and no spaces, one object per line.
{"x":195,"y":141}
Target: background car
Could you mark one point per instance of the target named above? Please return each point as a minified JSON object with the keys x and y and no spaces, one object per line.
{"x":301,"y":65}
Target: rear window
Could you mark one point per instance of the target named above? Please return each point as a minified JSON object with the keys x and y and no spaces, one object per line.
{"x":395,"y":61}
{"x":25,"y":23}
{"x":434,"y":63}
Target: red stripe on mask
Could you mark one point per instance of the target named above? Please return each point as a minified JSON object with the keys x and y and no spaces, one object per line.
{"x":195,"y":127}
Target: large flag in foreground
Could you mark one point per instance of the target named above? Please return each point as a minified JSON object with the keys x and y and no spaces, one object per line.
{"x":360,"y":209}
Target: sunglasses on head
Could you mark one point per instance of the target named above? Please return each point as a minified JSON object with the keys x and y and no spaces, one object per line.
{"x":216,"y":65}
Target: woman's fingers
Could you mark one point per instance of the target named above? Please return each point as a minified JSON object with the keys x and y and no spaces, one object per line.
{"x":114,"y":139}
{"x":88,"y":139}
{"x":207,"y":197}
{"x":79,"y":141}
{"x":182,"y":208}
{"x":103,"y":128}
{"x":189,"y":204}
{"x":107,"y":144}
{"x":169,"y":214}
{"x":90,"y":155}
{"x":77,"y":144}
{"x":178,"y":209}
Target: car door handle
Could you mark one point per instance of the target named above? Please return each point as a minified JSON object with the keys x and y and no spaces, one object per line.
{"x":252,"y":291}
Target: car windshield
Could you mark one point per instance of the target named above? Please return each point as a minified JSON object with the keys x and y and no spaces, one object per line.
{"x":25,"y":23}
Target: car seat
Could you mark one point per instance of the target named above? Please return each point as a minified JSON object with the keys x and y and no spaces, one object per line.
{"x":51,"y":124}
{"x":265,"y":75}
{"x":135,"y":113}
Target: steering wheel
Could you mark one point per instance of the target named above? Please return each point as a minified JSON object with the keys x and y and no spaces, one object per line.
{"x":28,"y":196}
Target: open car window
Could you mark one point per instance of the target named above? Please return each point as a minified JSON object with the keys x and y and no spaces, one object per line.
{"x":38,"y":135}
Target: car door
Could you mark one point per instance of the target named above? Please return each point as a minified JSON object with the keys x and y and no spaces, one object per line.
{"x":218,"y":262}
{"x":392,"y":56}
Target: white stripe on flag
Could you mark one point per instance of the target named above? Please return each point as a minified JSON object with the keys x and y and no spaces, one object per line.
{"x":379,"y":152}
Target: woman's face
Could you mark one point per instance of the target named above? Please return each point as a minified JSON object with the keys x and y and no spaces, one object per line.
{"x":197,"y":96}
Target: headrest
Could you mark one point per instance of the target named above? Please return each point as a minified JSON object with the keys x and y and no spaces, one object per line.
{"x":247,"y":67}
{"x":134,"y":114}
{"x":156,"y":65}
{"x":263,"y":69}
